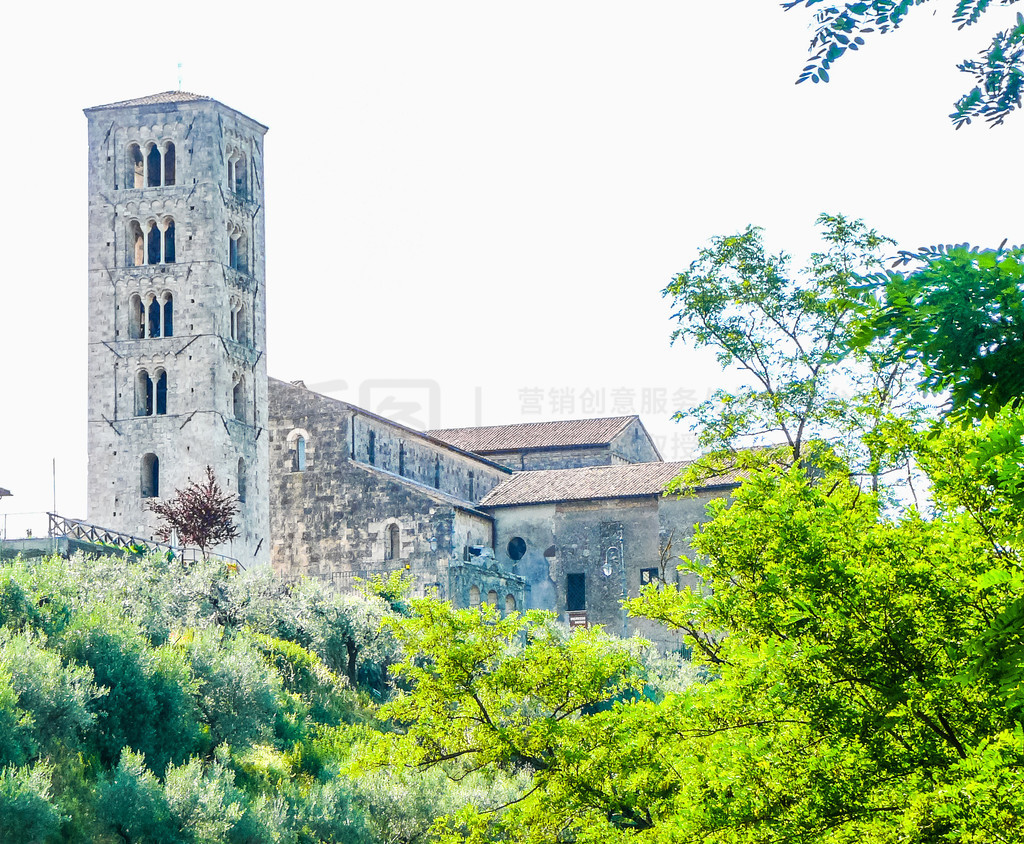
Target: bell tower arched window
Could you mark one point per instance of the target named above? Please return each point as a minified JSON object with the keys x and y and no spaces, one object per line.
{"x":161,"y":393}
{"x":238,"y":399}
{"x":143,"y":394}
{"x":238,"y":250}
{"x":137,"y":244}
{"x":238,"y":175}
{"x":136,"y":318}
{"x":135,"y":176}
{"x":151,"y":393}
{"x":238,"y":327}
{"x":168,"y":256}
{"x":169,"y":163}
{"x":151,"y":316}
{"x":168,"y":301}
{"x":151,"y":242}
{"x":155,"y":312}
{"x":150,"y":166}
{"x":153,"y":166}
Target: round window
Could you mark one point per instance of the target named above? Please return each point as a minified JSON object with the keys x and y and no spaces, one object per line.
{"x":516,"y":548}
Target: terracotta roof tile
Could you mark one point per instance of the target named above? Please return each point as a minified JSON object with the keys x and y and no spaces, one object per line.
{"x":626,"y":480}
{"x":155,"y":99}
{"x":526,"y":435}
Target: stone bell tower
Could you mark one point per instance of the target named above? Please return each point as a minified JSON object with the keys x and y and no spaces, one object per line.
{"x":177,"y":311}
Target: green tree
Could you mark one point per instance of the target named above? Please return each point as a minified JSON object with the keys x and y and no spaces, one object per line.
{"x":959,"y":314}
{"x":27,"y":814}
{"x":998,"y":72}
{"x":788,"y":333}
{"x":870,"y":685}
{"x":517,"y":696}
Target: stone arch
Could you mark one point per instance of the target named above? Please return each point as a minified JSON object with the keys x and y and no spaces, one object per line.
{"x":167,"y":313}
{"x":136,"y":317}
{"x":510,"y":603}
{"x":492,"y":597}
{"x":136,"y":244}
{"x":298,"y":444}
{"x":144,"y":393}
{"x":393,"y":541}
{"x":170,"y":162}
{"x":238,"y":397}
{"x":167,"y":255}
{"x":135,"y":166}
{"x":238,"y":328}
{"x":160,"y":392}
{"x":238,"y":249}
{"x":238,"y":173}
{"x":474,"y":595}
{"x":154,"y":165}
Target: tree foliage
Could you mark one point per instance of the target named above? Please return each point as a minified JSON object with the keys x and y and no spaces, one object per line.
{"x":201,"y":514}
{"x":959,"y":314}
{"x":998,"y":72}
{"x":788,"y":333}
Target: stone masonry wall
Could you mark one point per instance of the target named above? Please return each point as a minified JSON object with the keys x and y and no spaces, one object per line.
{"x":205,"y":422}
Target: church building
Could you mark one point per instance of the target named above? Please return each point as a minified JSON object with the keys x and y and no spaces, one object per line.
{"x":566,"y":516}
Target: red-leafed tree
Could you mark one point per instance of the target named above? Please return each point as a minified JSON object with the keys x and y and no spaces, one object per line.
{"x":201,"y":514}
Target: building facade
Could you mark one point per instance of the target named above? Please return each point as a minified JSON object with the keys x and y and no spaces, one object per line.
{"x":566,"y":516}
{"x":177,"y":311}
{"x":353,"y":495}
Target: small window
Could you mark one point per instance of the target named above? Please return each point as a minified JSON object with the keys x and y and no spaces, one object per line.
{"x":153,"y":238}
{"x":150,"y":476}
{"x":492,"y":598}
{"x":394,"y":543}
{"x":401,"y":459}
{"x":240,"y":177}
{"x":168,"y":315}
{"x":168,"y":241}
{"x":143,"y":394}
{"x":241,"y":480}
{"x":136,"y":318}
{"x":238,"y":251}
{"x":649,"y":576}
{"x":238,"y":400}
{"x":169,"y":163}
{"x":437,"y":473}
{"x":516,"y":548}
{"x":510,"y":603}
{"x":576,"y":592}
{"x":137,"y":241}
{"x":154,"y":310}
{"x":161,"y":394}
{"x":472,"y":479}
{"x":474,"y":596}
{"x":153,"y":166}
{"x":298,"y":453}
{"x":371,"y":448}
{"x":136,"y":174}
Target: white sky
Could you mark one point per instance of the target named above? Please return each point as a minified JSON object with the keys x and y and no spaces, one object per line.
{"x":472,"y":207}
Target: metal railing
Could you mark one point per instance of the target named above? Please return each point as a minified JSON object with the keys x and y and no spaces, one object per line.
{"x":105,"y":537}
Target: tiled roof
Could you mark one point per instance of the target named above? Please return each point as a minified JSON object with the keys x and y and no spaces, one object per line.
{"x":155,"y":99}
{"x":626,"y":480}
{"x":526,"y":435}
